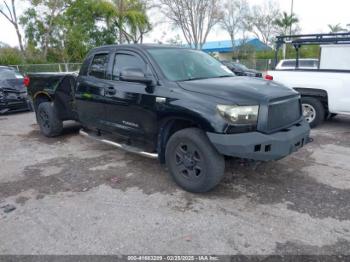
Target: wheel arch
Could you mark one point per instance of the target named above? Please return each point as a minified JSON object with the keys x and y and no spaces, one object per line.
{"x":169,"y":125}
{"x":41,"y":97}
{"x":320,"y":94}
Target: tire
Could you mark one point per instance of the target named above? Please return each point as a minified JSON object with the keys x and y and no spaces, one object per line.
{"x":50,"y":124}
{"x":193,"y":162}
{"x":313,"y":111}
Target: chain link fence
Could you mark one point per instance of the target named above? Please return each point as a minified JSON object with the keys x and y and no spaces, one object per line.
{"x":45,"y":68}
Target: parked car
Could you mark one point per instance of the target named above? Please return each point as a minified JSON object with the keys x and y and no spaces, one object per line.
{"x":325,"y":91}
{"x":13,"y":93}
{"x":305,"y":63}
{"x":241,"y":70}
{"x":175,"y":104}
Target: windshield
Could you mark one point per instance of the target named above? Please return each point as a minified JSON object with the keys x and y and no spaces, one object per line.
{"x":9,"y":74}
{"x":186,"y":64}
{"x":240,"y":66}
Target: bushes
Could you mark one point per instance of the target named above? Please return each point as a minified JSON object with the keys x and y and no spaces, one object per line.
{"x":10,"y":56}
{"x":13,"y":56}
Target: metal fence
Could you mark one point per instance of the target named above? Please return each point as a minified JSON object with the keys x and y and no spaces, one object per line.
{"x":41,"y":68}
{"x":257,"y":64}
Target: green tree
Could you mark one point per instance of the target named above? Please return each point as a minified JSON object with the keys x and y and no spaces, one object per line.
{"x":131,"y":20}
{"x":336,"y":28}
{"x":42,"y":26}
{"x":87,"y":24}
{"x":285,"y":25}
{"x":66,"y":30}
{"x":285,"y":22}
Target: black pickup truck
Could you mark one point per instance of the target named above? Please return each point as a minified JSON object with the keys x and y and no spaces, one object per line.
{"x":179,"y":105}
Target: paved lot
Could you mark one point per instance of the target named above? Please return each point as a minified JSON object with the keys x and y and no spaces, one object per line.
{"x":76,"y":196}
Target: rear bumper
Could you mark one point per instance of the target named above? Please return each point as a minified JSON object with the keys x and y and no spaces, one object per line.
{"x":262,"y":147}
{"x":14,"y":105}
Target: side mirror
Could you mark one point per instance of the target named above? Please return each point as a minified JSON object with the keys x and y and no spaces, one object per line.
{"x":135,"y":75}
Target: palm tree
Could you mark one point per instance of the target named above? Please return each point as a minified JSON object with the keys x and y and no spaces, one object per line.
{"x":286,"y":22}
{"x":335,"y":28}
{"x":131,"y":20}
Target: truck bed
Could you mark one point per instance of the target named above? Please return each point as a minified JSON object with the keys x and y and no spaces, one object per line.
{"x":57,"y":88}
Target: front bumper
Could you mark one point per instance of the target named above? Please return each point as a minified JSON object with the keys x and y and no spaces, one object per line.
{"x":262,"y":147}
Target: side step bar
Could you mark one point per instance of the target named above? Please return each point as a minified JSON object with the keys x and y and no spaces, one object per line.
{"x":127,"y":148}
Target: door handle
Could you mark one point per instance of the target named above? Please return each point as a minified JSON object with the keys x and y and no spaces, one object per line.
{"x":111,"y":90}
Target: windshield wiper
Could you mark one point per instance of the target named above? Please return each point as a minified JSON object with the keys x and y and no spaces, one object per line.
{"x":225,"y":76}
{"x":196,"y":78}
{"x":201,"y":78}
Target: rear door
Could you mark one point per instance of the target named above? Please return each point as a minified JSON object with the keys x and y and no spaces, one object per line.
{"x":130,"y":109}
{"x":90,"y":92}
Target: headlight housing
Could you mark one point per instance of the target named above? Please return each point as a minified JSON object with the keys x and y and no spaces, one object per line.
{"x":239,"y":115}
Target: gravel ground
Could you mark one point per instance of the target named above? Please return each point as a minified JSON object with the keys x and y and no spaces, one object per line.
{"x":75,"y":196}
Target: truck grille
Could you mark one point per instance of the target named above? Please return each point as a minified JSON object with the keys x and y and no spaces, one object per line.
{"x":283,"y":113}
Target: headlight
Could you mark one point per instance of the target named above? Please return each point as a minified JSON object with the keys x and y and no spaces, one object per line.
{"x":239,"y":115}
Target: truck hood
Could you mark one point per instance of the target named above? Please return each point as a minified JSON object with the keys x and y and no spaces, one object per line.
{"x":239,"y":90}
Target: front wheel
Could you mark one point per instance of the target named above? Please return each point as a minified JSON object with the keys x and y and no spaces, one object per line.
{"x":313,"y":111}
{"x":193,"y":162}
{"x":49,"y":123}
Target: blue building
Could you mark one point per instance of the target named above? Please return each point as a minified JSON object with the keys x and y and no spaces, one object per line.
{"x":224,"y":48}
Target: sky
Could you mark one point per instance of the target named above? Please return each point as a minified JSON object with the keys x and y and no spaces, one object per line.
{"x":314,"y":16}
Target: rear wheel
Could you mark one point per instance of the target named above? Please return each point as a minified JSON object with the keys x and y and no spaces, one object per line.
{"x":193,"y":162}
{"x":50,"y":124}
{"x":313,"y":111}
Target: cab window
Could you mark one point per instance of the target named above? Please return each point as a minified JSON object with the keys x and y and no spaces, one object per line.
{"x":98,"y":66}
{"x":125,"y":61}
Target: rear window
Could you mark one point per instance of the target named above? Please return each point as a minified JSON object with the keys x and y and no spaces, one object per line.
{"x":98,"y":66}
{"x":302,"y":63}
{"x":308,"y":63}
{"x":289,"y":64}
{"x":10,"y":74}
